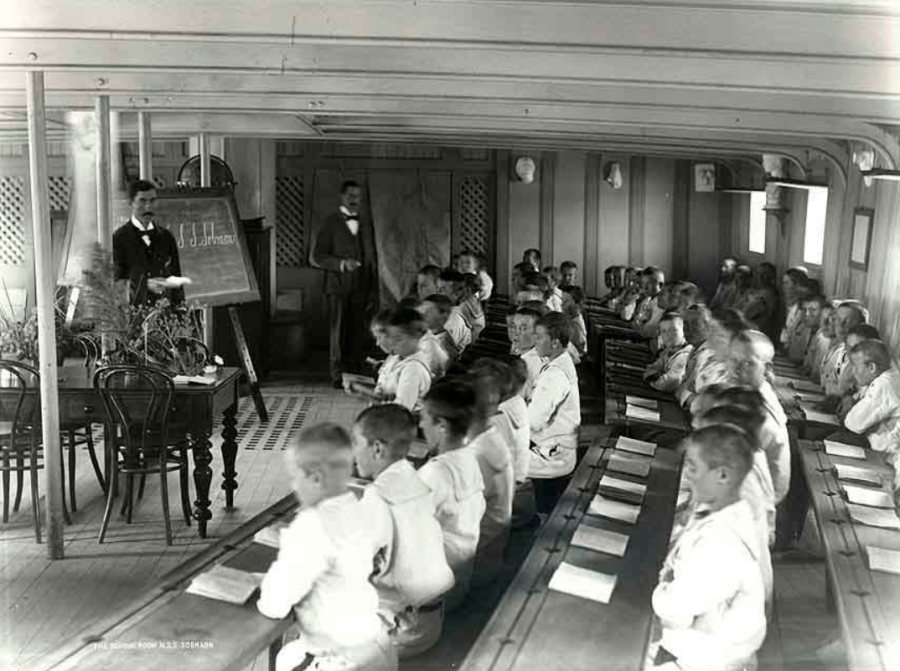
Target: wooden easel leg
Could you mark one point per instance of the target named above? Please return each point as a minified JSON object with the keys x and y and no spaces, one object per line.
{"x":247,"y":363}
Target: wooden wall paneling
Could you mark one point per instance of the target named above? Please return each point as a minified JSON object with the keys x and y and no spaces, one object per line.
{"x":683,"y":223}
{"x":547,"y":194}
{"x":591,"y":273}
{"x":502,"y":264}
{"x":636,"y":210}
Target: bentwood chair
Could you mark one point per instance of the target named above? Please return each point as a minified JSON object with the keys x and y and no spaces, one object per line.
{"x":138,"y":403}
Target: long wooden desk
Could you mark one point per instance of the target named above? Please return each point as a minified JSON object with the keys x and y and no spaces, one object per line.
{"x":166,"y":629}
{"x":868,"y":602}
{"x":535,"y":628}
{"x":196,"y":407}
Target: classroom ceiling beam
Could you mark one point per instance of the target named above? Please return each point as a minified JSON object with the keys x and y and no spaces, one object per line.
{"x":724,"y":72}
{"x":800,"y":27}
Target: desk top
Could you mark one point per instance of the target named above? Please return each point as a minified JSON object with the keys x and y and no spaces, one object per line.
{"x":868,"y":602}
{"x":535,"y":628}
{"x":80,"y":378}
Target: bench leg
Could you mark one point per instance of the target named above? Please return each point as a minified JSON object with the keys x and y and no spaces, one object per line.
{"x":829,"y":592}
{"x":274,"y":649}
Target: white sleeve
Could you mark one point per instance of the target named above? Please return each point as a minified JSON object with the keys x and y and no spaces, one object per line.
{"x":551,"y":388}
{"x":412,"y":385}
{"x":673,"y":374}
{"x":434,"y":476}
{"x":302,"y":558}
{"x":872,"y":409}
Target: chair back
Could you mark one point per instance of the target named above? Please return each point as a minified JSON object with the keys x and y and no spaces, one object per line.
{"x":90,"y":347}
{"x":20,"y":408}
{"x":137,"y":401}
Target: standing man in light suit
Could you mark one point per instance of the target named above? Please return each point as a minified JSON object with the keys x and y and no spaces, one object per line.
{"x":343,"y":251}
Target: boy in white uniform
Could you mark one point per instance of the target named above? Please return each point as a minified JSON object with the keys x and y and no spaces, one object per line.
{"x":697,"y":324}
{"x":489,"y":378}
{"x":454,"y":477}
{"x":524,"y":321}
{"x":569,"y":272}
{"x":324,"y":561}
{"x":554,"y":297}
{"x":666,"y":373}
{"x":450,"y":284}
{"x":713,"y":624}
{"x":836,"y":375}
{"x":554,"y":413}
{"x":411,"y":570}
{"x":409,"y":379}
{"x":877,"y":414}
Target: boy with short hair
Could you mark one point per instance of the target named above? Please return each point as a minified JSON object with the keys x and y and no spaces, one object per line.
{"x":554,"y":297}
{"x":526,"y":320}
{"x":533,"y":258}
{"x":836,"y":375}
{"x":648,"y":311}
{"x":489,"y":379}
{"x":697,"y":325}
{"x":436,"y":310}
{"x":569,"y":272}
{"x":554,"y":413}
{"x":667,"y":372}
{"x":427,"y":281}
{"x":469,"y":262}
{"x":470,"y":305}
{"x":450,"y":285}
{"x":454,"y":477}
{"x":511,"y":328}
{"x":713,"y":624}
{"x":324,"y":562}
{"x":573,"y":309}
{"x":411,"y":570}
{"x":817,"y":316}
{"x":877,"y":414}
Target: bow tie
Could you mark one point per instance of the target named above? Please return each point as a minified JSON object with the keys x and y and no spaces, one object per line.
{"x":348,"y":217}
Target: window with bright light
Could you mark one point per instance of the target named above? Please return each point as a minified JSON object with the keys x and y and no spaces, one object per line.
{"x":814,"y":240}
{"x":758,"y":222}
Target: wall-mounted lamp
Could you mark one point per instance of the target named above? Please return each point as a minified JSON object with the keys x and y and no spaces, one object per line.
{"x":612,"y":175}
{"x":525,"y":169}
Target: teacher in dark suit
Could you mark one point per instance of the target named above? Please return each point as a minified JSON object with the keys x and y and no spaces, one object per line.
{"x":342,"y":250}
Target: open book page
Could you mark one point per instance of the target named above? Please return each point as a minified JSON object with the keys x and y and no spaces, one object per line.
{"x":226,"y":584}
{"x":810,"y":396}
{"x":270,"y":535}
{"x":635,"y":446}
{"x":633,"y":465}
{"x":874,"y":517}
{"x":806,"y":385}
{"x":876,"y":498}
{"x":867,"y":475}
{"x":194,"y":379}
{"x":648,"y":403}
{"x":618,"y":485}
{"x":820,"y":417}
{"x":836,"y":449}
{"x":583,"y":583}
{"x":601,"y":540}
{"x":880,"y":559}
{"x":616,"y":510}
{"x":637,"y":412}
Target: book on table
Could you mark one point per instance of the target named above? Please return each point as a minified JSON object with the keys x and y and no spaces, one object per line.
{"x":641,"y":402}
{"x":867,"y":475}
{"x":636,"y":446}
{"x":583,"y":583}
{"x":810,"y":396}
{"x":616,"y":485}
{"x":601,"y":540}
{"x":633,"y":465}
{"x":884,"y":560}
{"x":805,"y":385}
{"x":194,"y":379}
{"x":616,"y":510}
{"x":270,"y":535}
{"x":874,"y":517}
{"x":875,"y":498}
{"x":819,"y":417}
{"x":637,"y":412}
{"x":836,"y":449}
{"x":223,"y":583}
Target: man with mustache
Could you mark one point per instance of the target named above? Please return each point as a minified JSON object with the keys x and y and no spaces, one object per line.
{"x":145,"y":254}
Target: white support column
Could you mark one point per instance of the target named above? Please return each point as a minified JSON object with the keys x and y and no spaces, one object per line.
{"x":44,"y":284}
{"x":104,"y":197}
{"x":145,"y":146}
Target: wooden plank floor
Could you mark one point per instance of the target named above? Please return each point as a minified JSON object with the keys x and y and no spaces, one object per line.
{"x":46,"y":602}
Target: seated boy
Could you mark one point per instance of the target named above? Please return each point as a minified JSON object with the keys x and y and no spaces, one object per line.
{"x":847,"y":379}
{"x":324,"y":562}
{"x":533,"y":287}
{"x":525,"y":321}
{"x":573,"y":309}
{"x":469,"y":262}
{"x":836,"y":376}
{"x":450,"y":286}
{"x":511,"y":328}
{"x":454,"y":477}
{"x":667,"y":371}
{"x":554,"y":413}
{"x":436,"y":310}
{"x":470,"y":305}
{"x":697,"y":326}
{"x":713,"y":625}
{"x":427,"y":281}
{"x":409,"y":378}
{"x":648,"y":311}
{"x":411,"y":572}
{"x":818,"y":316}
{"x":554,"y":296}
{"x":489,"y":379}
{"x":877,"y":414}
{"x":569,"y":272}
{"x":533,"y":258}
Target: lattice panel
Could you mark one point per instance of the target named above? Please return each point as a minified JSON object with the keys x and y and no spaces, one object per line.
{"x":474,"y":215}
{"x":291,"y":246}
{"x":12,"y":221}
{"x":60,"y":192}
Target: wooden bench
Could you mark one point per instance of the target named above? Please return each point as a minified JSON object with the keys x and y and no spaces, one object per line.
{"x":867,"y":602}
{"x":535,"y":628}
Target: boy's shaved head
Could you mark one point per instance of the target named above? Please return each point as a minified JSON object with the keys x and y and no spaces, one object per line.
{"x":324,"y":447}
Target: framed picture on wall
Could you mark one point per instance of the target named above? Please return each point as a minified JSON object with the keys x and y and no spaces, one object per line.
{"x":862,"y":238}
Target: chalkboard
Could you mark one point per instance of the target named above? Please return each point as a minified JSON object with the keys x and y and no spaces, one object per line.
{"x":211,"y":244}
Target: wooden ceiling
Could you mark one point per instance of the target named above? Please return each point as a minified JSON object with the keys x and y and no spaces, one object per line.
{"x":710,"y":78}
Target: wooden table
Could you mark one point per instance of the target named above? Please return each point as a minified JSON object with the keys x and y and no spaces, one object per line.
{"x":195,"y":407}
{"x":868,"y":602}
{"x":535,"y":628}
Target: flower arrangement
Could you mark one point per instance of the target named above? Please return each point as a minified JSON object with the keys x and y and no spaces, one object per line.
{"x":19,"y":337}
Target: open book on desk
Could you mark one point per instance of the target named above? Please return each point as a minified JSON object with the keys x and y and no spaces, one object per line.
{"x":583,"y":583}
{"x":635,"y":446}
{"x":836,"y":449}
{"x":195,"y":379}
{"x":638,"y":412}
{"x":226,"y":584}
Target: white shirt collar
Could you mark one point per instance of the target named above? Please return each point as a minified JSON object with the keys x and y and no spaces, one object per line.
{"x":352,"y":221}
{"x":138,"y":225}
